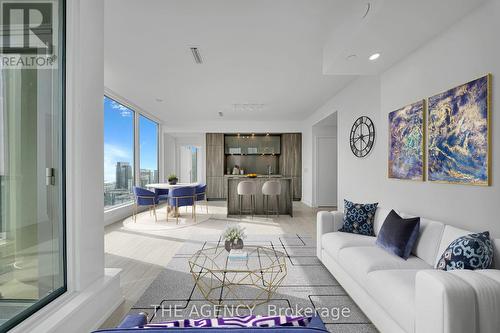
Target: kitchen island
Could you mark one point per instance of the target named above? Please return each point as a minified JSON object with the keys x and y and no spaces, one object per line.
{"x":285,"y":199}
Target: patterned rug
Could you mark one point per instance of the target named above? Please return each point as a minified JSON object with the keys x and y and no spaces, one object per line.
{"x":308,"y":286}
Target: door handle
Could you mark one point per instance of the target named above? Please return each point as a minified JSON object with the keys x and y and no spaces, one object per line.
{"x":50,"y":176}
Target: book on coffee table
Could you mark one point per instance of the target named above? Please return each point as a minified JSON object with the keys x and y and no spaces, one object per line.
{"x":237,"y":255}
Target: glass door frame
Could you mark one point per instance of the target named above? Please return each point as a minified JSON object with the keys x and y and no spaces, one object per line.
{"x":44,"y":301}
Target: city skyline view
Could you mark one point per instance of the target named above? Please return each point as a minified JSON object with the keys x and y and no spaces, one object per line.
{"x":119,"y":152}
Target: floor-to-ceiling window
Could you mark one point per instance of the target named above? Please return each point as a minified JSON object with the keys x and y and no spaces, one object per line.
{"x":118,"y":153}
{"x":122,"y":140}
{"x":32,"y":177}
{"x":148,"y":151}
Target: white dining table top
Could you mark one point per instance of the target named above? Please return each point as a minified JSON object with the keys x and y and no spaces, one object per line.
{"x":167,"y":186}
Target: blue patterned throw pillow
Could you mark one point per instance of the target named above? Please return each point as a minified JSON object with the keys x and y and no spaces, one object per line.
{"x":473,"y":251}
{"x":358,"y":218}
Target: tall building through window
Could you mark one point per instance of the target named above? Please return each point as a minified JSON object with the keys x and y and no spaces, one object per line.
{"x":118,"y":153}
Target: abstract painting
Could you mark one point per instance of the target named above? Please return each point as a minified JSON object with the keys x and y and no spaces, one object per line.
{"x":458,"y":134}
{"x":406,"y":142}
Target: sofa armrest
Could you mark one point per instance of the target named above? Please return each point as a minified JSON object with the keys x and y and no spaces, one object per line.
{"x":444,"y":303}
{"x":486,"y":286}
{"x":326,"y":222}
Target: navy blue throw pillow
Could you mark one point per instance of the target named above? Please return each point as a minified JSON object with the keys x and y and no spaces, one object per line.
{"x":398,"y":235}
{"x":358,"y":218}
{"x":473,"y":251}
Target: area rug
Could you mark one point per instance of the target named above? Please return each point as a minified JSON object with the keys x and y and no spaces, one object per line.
{"x":308,"y":286}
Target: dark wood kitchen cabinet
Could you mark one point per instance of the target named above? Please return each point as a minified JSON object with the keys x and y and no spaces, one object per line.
{"x":291,"y":161}
{"x":215,"y":165}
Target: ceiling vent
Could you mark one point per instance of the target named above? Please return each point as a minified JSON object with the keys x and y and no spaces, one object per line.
{"x":248,"y":107}
{"x":196,"y":55}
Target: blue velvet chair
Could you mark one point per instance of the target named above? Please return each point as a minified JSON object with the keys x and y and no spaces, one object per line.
{"x":162,"y":194}
{"x":201,"y":194}
{"x":182,"y":197}
{"x":145,"y":197}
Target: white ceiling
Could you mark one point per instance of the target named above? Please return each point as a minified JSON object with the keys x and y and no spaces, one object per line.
{"x":258,"y":51}
{"x":393,"y":28}
{"x":270,"y":52}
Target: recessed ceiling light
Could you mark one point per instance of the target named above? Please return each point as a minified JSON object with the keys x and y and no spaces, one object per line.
{"x":374,"y":56}
{"x":159,"y":100}
{"x":351,"y":57}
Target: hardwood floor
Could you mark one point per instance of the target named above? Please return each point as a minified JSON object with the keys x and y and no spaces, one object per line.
{"x":142,"y":255}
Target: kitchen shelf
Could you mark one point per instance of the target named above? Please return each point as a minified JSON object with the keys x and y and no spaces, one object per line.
{"x":247,"y":144}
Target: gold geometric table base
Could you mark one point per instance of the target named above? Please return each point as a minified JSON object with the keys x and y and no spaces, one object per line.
{"x":249,"y":282}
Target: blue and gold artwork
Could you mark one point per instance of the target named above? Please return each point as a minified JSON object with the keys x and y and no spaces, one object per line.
{"x":406,"y":142}
{"x":458,"y":139}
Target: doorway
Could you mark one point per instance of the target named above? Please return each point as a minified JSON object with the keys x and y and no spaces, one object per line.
{"x":188,"y":164}
{"x":325,"y":170}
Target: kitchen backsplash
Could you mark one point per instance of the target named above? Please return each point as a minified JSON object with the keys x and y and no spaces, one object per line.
{"x":253,"y":163}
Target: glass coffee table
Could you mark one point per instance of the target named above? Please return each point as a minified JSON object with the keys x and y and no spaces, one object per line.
{"x":251,"y":281}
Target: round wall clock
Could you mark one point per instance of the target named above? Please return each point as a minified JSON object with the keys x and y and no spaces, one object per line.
{"x":362,"y":136}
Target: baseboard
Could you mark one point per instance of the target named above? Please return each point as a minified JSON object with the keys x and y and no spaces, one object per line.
{"x":79,"y":311}
{"x":307,"y":203}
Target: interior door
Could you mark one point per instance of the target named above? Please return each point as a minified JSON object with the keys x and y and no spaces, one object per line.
{"x":326,"y":179}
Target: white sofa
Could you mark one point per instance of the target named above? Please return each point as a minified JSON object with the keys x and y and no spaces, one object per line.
{"x":411,"y":296}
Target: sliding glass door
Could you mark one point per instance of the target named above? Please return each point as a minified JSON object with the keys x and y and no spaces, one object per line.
{"x":32,"y":238}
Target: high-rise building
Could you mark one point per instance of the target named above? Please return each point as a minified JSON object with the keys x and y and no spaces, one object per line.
{"x":123,"y":175}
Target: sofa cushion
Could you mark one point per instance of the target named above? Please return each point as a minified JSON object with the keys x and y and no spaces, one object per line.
{"x":333,"y":242}
{"x":449,"y":235}
{"x":472,"y":251}
{"x":398,"y":235}
{"x":380,"y":216}
{"x":358,"y":218}
{"x":427,"y":244}
{"x":394,"y":291}
{"x":359,"y":261}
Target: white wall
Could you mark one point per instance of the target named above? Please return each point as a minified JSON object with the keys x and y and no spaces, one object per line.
{"x":468,"y":50}
{"x":362,"y":97}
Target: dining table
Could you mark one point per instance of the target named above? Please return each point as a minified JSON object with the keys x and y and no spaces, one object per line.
{"x":167,"y":186}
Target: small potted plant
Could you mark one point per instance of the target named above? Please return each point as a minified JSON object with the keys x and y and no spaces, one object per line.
{"x":172,"y":179}
{"x":233,"y":236}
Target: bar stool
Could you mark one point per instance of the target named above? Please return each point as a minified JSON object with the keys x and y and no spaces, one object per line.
{"x":247,"y":187}
{"x":271,"y":188}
